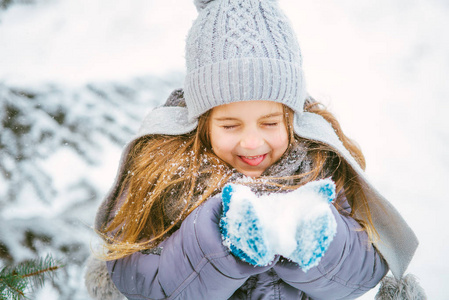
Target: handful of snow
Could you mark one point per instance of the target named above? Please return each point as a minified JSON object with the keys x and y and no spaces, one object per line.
{"x":298,"y":225}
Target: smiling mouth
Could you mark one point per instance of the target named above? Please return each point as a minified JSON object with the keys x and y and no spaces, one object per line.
{"x":253,"y":160}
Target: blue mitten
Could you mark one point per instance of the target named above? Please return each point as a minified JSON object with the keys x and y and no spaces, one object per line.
{"x":298,"y":225}
{"x":316,"y":224}
{"x":241,"y":228}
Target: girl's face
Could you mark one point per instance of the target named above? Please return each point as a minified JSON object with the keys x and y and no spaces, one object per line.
{"x":249,"y":135}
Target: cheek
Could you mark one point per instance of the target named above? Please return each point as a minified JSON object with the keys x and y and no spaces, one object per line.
{"x":221,"y":144}
{"x":280,"y":142}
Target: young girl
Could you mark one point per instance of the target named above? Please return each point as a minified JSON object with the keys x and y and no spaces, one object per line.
{"x":178,"y":222}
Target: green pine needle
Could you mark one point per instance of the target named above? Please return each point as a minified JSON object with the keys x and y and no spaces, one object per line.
{"x":15,"y":281}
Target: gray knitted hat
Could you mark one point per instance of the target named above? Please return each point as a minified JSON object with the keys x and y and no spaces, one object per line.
{"x":242,"y":50}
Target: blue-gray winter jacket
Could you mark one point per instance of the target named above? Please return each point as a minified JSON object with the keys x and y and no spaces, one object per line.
{"x":194,"y":264}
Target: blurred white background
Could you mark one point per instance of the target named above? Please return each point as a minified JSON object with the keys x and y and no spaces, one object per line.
{"x":381,"y":66}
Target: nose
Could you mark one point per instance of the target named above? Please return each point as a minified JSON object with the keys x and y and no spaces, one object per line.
{"x":251,"y":139}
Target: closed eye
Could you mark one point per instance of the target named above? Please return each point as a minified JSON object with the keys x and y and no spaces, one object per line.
{"x":272,"y":124}
{"x":228,"y":127}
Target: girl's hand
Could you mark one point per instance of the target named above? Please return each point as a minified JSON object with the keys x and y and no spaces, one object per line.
{"x":316,"y":227}
{"x":298,"y":225}
{"x":242,"y":230}
{"x":201,"y":228}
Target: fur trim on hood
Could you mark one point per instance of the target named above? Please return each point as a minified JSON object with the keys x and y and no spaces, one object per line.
{"x":407,"y":288}
{"x":98,"y":282}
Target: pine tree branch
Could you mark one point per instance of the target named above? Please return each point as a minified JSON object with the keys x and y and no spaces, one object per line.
{"x":12,"y":288}
{"x":26,"y":276}
{"x":50,"y":269}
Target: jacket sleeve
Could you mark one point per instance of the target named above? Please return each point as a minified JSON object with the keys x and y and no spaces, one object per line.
{"x":350,"y":267}
{"x":193,"y":263}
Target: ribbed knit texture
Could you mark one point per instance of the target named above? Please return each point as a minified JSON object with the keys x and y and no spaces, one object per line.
{"x":242,"y":50}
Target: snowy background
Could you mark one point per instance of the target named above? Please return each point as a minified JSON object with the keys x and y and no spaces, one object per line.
{"x":77,"y":76}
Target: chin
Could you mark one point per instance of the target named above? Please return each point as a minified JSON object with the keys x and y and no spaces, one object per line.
{"x":252,"y":174}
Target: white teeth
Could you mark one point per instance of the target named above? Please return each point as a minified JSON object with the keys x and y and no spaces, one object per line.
{"x":252,"y":157}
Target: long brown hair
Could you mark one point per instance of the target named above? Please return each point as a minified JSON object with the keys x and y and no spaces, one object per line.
{"x":167,"y":177}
